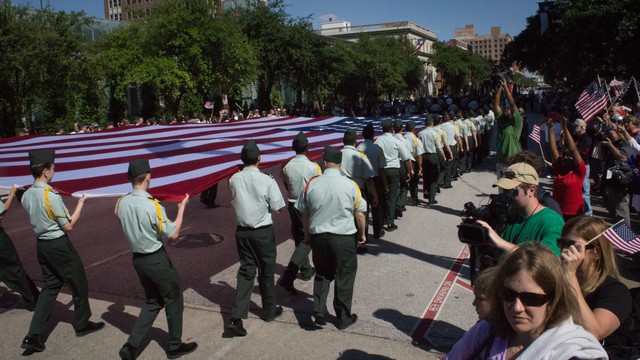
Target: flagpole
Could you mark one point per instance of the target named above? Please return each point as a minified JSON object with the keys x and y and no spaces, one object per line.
{"x":635,"y":82}
{"x":597,"y":236}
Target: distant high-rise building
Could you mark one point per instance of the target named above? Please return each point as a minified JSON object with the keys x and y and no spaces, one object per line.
{"x":488,"y":46}
{"x":133,"y":9}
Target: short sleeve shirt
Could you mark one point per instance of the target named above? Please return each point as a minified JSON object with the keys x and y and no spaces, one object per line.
{"x":430,"y":140}
{"x":544,"y":227}
{"x":417,"y":148}
{"x":47,"y":212}
{"x":356,"y":166}
{"x":393,"y":150}
{"x":296,"y":174}
{"x":144,"y":221}
{"x":254,"y":196}
{"x":331,"y":201}
{"x":374,"y":154}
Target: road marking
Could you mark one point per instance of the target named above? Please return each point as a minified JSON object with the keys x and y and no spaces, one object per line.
{"x":107,"y":259}
{"x":439,"y":298}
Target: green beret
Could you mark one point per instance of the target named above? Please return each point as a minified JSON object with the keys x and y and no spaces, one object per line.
{"x":300,"y":142}
{"x":397,"y":124}
{"x":349,"y":137}
{"x":410,"y":125}
{"x":332,"y":155}
{"x":41,"y":157}
{"x":138,"y":167}
{"x":250,"y":152}
{"x":386,"y":124}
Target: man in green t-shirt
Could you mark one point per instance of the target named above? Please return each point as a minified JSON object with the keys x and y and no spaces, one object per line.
{"x":509,"y":126}
{"x":535,"y":222}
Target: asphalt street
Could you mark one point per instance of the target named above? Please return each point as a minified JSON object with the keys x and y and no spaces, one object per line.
{"x":412,"y":292}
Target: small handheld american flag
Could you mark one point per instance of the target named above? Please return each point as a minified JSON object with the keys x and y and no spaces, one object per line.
{"x":535,"y":133}
{"x":623,"y":238}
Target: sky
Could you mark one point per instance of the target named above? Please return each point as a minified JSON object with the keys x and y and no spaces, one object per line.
{"x":442,"y":17}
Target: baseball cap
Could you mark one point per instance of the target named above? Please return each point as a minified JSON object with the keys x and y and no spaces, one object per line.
{"x":516,"y":174}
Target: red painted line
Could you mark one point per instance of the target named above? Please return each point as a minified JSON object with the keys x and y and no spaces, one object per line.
{"x":438,"y":299}
{"x":464,"y":284}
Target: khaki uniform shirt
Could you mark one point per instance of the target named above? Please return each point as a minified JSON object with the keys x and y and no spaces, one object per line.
{"x":451,"y":132}
{"x":296,"y":174}
{"x":417,"y":148}
{"x":393,"y":150}
{"x":356,"y":166}
{"x":331,"y":201}
{"x":47,"y":212}
{"x":144,"y":221}
{"x":431,"y":140}
{"x":254,"y":196}
{"x":374,"y":154}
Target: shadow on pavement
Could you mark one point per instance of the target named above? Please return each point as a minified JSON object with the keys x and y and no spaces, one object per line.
{"x":354,"y":354}
{"x":383,"y":246}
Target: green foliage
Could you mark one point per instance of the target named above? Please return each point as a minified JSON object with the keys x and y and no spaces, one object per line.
{"x":459,"y":67}
{"x":42,"y":68}
{"x":585,"y":39}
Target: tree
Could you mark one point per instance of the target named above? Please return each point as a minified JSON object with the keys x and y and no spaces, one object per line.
{"x":41,"y":63}
{"x":585,"y":39}
{"x":459,"y":67}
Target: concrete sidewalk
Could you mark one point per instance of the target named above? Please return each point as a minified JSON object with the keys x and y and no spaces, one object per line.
{"x":283,"y":338}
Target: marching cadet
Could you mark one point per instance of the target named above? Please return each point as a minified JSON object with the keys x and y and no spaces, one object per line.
{"x":357,"y":167}
{"x":432,"y":159}
{"x":417,"y":150}
{"x":472,"y":140}
{"x":406,"y":175}
{"x":378,"y":162}
{"x":254,"y":196}
{"x":144,"y":222}
{"x":58,"y":258}
{"x":298,"y":171}
{"x":11,"y":271}
{"x":396,"y":156}
{"x":451,"y":131}
{"x":332,"y":206}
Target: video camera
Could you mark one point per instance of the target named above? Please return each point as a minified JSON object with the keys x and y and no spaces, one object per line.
{"x":495,"y":213}
{"x":496,"y":75}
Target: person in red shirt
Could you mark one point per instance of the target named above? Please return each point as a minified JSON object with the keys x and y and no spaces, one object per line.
{"x":570,"y":171}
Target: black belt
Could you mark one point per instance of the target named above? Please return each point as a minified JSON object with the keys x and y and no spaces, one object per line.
{"x":58,"y":238}
{"x":325,"y":235}
{"x":245,"y":228}
{"x":141,"y":255}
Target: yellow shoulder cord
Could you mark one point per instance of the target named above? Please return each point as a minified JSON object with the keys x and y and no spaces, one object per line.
{"x":47,"y":205}
{"x":318,"y":169}
{"x":363,"y":157}
{"x":159,"y":214}
{"x":355,"y":204}
{"x":118,"y":206}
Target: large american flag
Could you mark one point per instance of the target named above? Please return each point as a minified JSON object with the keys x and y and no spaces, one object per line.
{"x":623,"y":238}
{"x":184,"y":158}
{"x":619,"y":87}
{"x":592,"y":100}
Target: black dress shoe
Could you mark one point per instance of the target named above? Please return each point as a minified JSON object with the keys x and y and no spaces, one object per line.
{"x":447,"y":187}
{"x":319,"y":320}
{"x":391,"y":227}
{"x":275,"y":315}
{"x":398,"y":213}
{"x":90,"y":328}
{"x":235,"y":328}
{"x":184,"y":349}
{"x":128,"y":352}
{"x":32,"y":343}
{"x":308,"y":276}
{"x":288,"y":285}
{"x":350,"y":322}
{"x":433,"y":202}
{"x":361,"y":250}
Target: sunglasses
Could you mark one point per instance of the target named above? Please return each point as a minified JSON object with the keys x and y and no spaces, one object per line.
{"x":526,"y":298}
{"x":564,"y":243}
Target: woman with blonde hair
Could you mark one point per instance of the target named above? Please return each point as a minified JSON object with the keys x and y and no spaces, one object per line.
{"x":590,"y":263}
{"x":532,"y":314}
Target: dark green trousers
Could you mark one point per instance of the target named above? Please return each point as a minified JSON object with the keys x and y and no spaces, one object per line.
{"x":442,"y":169}
{"x":257,"y":251}
{"x":404,"y":187}
{"x":300,"y":257}
{"x":470,"y":154}
{"x":451,"y":167}
{"x":161,"y":285}
{"x":12,"y":273}
{"x":391,"y":198}
{"x":60,"y":265}
{"x":413,"y":184}
{"x":431,"y":171}
{"x":335,"y":259}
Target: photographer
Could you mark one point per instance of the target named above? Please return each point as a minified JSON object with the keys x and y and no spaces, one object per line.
{"x":509,"y":126}
{"x":533,"y":222}
{"x":617,"y":176}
